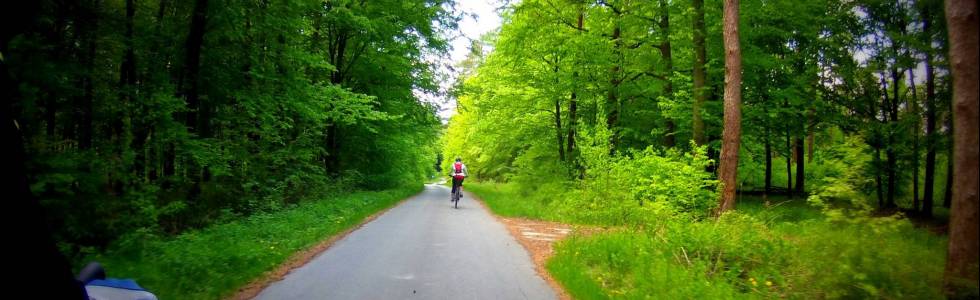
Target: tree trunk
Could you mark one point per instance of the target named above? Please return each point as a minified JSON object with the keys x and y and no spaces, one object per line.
{"x":558,"y":133}
{"x":192,"y":65}
{"x":169,"y":160}
{"x":84,"y":109}
{"x":878,"y":186}
{"x":161,"y":9}
{"x":573,"y":100}
{"x":892,"y":158}
{"x":665,"y":52}
{"x":197,"y":114}
{"x":890,"y":175}
{"x":337,"y":53}
{"x":50,"y":101}
{"x":963,"y":263}
{"x":789,"y":158}
{"x":64,"y":44}
{"x":768,"y":163}
{"x":128,"y":80}
{"x":50,"y":117}
{"x":913,"y":106}
{"x":810,"y":132}
{"x":699,"y":73}
{"x":799,"y":167}
{"x":332,"y":164}
{"x":159,"y":158}
{"x":612,"y":99}
{"x":731,"y":136}
{"x":930,"y":176}
{"x":571,"y":125}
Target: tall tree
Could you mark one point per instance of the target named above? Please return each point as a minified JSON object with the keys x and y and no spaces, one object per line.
{"x":83,"y":107}
{"x":912,"y":104}
{"x":559,"y":135}
{"x":613,"y":104}
{"x":197,"y":116}
{"x":963,"y":261}
{"x":768,"y":173}
{"x":731,"y":136}
{"x":665,"y":52}
{"x":573,"y":100}
{"x":810,"y":133}
{"x":891,"y":157}
{"x":127,"y":82}
{"x":788,"y":150}
{"x":930,"y":104}
{"x":699,"y":72}
{"x":800,"y":174}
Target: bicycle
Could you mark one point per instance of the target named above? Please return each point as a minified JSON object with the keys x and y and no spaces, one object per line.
{"x":456,"y":195}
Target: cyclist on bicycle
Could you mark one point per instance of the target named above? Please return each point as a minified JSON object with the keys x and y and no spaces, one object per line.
{"x":459,"y":173}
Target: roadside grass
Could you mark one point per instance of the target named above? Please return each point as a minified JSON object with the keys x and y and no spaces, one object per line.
{"x":212,"y":263}
{"x":507,"y":200}
{"x":787,"y":249}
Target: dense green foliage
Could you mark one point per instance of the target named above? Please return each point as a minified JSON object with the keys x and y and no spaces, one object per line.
{"x":564,"y":76}
{"x":584,"y":110}
{"x":214,"y":262}
{"x":178,"y":114}
{"x":670,"y":182}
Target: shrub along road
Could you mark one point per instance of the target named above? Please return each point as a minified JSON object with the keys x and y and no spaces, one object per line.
{"x":422,"y":248}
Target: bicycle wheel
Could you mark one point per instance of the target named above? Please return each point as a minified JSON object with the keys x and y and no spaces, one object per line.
{"x":452,"y":195}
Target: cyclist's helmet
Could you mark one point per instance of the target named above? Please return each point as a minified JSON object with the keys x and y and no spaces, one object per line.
{"x":458,"y":159}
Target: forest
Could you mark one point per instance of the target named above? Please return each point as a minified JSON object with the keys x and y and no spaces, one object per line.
{"x":817,"y":76}
{"x":660,"y":116}
{"x":762,"y":149}
{"x":178,"y":114}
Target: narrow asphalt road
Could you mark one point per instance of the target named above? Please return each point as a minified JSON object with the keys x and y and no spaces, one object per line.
{"x":420,"y":249}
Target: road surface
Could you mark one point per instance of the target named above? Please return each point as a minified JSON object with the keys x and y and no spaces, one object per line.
{"x":420,"y":249}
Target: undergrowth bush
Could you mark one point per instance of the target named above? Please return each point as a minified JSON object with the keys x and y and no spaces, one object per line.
{"x":660,"y":244}
{"x":739,"y":256}
{"x":794,"y":249}
{"x":636,"y":189}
